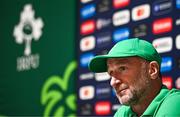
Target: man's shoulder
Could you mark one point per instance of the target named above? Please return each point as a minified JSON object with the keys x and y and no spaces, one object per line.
{"x":124,"y":111}
{"x":171,"y":103}
{"x":121,"y":111}
{"x":173,"y":97}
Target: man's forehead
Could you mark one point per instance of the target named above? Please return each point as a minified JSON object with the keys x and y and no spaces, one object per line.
{"x":122,"y":60}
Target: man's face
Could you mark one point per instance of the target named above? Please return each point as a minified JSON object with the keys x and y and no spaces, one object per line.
{"x":129,"y":78}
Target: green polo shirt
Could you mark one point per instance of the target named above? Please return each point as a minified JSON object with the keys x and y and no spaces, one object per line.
{"x":166,"y":103}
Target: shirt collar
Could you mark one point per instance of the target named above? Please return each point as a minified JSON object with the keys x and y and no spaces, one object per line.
{"x":154,"y":105}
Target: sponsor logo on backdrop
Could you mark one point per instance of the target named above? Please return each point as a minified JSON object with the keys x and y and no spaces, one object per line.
{"x":178,"y":21}
{"x":103,"y":23}
{"x":141,"y":12}
{"x":178,"y":41}
{"x":177,"y":83}
{"x":56,"y":90}
{"x":103,"y":91}
{"x":87,"y":27}
{"x":167,"y":81}
{"x":27,"y":31}
{"x":87,"y":43}
{"x":113,"y":92}
{"x":86,"y":92}
{"x":86,"y":76}
{"x":140,"y":30}
{"x":85,"y":58}
{"x":115,"y":107}
{"x":103,"y":6}
{"x":88,"y":11}
{"x":85,"y":1}
{"x":178,"y":62}
{"x":162,"y":25}
{"x":103,"y":108}
{"x":86,"y":109}
{"x":166,"y":64}
{"x":121,"y":34}
{"x":120,"y":3}
{"x":163,"y":44}
{"x":102,"y":76}
{"x":121,"y":17}
{"x":162,"y":7}
{"x":103,"y":39}
{"x":178,"y":4}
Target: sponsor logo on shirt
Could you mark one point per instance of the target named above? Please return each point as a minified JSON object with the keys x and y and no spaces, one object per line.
{"x":103,"y":91}
{"x":87,"y":43}
{"x":86,"y":76}
{"x":103,"y":39}
{"x":162,"y":7}
{"x":103,"y":23}
{"x":178,"y":4}
{"x":103,"y":6}
{"x":178,"y":41}
{"x":167,"y":80}
{"x":140,"y":12}
{"x":120,"y":3}
{"x":88,"y":11}
{"x":85,"y":58}
{"x":86,"y":92}
{"x":140,"y":30}
{"x":166,"y":64}
{"x":121,"y":17}
{"x":103,"y":108}
{"x":163,"y":44}
{"x":102,"y":76}
{"x":162,"y":25}
{"x":121,"y":34}
{"x":87,"y":27}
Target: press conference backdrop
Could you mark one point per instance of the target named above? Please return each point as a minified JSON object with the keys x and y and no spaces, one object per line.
{"x":103,"y":23}
{"x":37,"y":58}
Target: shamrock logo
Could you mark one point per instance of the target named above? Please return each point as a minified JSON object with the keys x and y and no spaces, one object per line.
{"x":50,"y":96}
{"x":28,"y":28}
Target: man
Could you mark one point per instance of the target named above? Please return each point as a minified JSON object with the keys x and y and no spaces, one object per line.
{"x":134,"y":67}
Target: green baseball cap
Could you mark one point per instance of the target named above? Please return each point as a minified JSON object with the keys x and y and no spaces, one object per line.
{"x":126,"y":48}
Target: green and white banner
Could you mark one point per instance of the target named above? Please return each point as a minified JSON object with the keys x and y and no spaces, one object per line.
{"x":37,"y":41}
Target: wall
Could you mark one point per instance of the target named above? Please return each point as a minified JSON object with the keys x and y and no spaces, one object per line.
{"x":37,"y":57}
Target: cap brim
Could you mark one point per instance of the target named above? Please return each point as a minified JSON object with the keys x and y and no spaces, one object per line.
{"x":98,"y":63}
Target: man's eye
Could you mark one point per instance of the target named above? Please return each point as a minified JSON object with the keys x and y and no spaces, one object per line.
{"x":122,"y":68}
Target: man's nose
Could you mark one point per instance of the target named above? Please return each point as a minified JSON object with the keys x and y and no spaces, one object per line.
{"x":114,"y":81}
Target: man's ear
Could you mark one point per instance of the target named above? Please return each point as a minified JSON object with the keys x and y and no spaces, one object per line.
{"x":154,"y":69}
